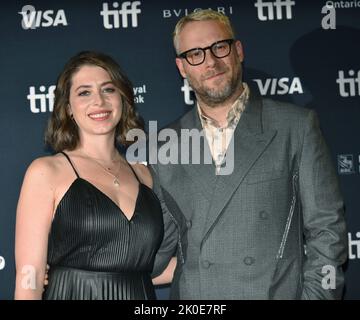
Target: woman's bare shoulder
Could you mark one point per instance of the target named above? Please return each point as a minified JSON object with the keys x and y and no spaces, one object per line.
{"x":46,"y":167}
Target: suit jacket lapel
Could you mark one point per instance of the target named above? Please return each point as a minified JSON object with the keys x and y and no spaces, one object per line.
{"x":249,"y":142}
{"x":203,"y":175}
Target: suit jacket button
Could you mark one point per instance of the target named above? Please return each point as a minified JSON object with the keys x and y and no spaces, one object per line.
{"x":263,"y":215}
{"x":205,"y":264}
{"x":249,"y":261}
{"x":188,"y":224}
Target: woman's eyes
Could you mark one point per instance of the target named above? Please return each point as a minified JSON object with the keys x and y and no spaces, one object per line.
{"x":85,"y":93}
{"x":109,"y":90}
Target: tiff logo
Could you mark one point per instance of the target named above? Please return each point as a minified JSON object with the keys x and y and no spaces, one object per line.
{"x":111,"y":18}
{"x":46,"y":99}
{"x":349,"y":86}
{"x":187,"y":93}
{"x":277,"y":7}
{"x":32,"y":18}
{"x":354,"y":254}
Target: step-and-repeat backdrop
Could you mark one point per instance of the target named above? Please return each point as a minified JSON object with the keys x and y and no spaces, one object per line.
{"x":303,"y":51}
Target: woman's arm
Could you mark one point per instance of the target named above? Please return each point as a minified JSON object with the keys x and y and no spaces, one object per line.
{"x":167,"y":275}
{"x":33,"y":220}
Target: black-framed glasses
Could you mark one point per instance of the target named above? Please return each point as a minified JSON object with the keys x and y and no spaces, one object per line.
{"x":196,"y":56}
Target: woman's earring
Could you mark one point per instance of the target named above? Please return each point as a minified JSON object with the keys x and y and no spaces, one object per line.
{"x":72,"y":119}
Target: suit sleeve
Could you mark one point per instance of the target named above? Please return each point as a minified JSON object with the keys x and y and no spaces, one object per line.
{"x":169,"y":244}
{"x":323,"y":216}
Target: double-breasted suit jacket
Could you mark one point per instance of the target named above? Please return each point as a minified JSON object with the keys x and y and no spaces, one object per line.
{"x":272,"y":229}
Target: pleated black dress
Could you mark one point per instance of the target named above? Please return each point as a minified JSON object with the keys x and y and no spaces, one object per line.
{"x":95,"y":252}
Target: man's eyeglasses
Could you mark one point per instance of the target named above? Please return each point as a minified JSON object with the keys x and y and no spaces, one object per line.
{"x":196,"y":56}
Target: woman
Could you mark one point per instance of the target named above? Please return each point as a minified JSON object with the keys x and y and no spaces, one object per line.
{"x":85,"y":211}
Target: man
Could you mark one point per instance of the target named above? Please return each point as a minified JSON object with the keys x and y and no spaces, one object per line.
{"x":272,"y":229}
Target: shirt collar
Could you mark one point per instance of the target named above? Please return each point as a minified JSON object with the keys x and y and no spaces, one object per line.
{"x":234,"y":113}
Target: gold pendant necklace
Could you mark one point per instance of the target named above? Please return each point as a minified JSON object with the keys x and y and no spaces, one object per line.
{"x":116,"y":181}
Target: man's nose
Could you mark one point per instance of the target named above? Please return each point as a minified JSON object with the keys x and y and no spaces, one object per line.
{"x":210,"y":59}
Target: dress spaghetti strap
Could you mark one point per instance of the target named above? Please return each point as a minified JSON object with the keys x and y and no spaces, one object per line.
{"x":132,"y":169}
{"x":68,"y":158}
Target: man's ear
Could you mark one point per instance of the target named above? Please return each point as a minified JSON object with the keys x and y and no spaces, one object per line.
{"x":239,"y":50}
{"x":180,"y":65}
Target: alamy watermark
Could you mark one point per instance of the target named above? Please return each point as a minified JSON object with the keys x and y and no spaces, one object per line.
{"x":2,"y":263}
{"x":28,"y":280}
{"x":329,"y":20}
{"x":329,"y":279}
{"x":183,"y":146}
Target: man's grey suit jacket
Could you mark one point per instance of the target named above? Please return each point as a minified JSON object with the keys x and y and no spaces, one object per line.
{"x":273,"y":229}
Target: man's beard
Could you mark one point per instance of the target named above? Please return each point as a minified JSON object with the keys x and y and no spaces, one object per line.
{"x":217,"y":95}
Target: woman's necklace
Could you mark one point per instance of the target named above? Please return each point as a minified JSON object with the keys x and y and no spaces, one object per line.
{"x":116,"y":181}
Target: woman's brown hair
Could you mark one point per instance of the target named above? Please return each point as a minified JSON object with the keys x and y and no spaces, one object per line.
{"x":62,"y":132}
